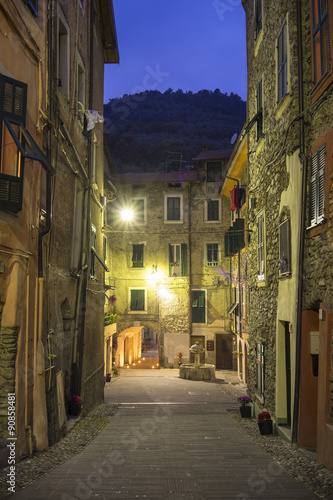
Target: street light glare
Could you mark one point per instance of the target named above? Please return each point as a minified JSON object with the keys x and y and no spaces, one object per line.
{"x":127,"y":214}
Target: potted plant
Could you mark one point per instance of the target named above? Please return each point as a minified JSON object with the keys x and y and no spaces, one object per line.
{"x":108,"y":377}
{"x":115,"y":371}
{"x":265,"y":423}
{"x":74,"y":405}
{"x":245,"y":407}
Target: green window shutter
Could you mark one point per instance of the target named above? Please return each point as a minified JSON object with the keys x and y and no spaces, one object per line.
{"x":140,"y":211}
{"x":285,"y":258}
{"x":198,"y":306}
{"x":137,"y":257}
{"x":212,"y":210}
{"x":137,"y":300}
{"x":282,"y":62}
{"x":173,"y":208}
{"x":13,"y":99}
{"x":183,"y":259}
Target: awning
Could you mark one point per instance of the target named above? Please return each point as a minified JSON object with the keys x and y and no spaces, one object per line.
{"x":100,"y":260}
{"x":231,"y":308}
{"x":27,"y":146}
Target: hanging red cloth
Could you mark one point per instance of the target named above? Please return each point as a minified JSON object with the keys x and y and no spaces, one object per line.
{"x":234,"y":199}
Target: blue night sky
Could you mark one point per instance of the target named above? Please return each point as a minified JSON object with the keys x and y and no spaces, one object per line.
{"x":182,"y":44}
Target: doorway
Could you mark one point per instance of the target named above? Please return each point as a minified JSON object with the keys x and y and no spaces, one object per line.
{"x":224,"y":345}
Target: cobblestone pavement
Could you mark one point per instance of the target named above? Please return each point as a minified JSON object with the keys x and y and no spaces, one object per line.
{"x":170,"y":438}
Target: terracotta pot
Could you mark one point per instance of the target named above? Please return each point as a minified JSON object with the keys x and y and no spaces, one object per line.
{"x":74,"y":410}
{"x":266,"y":427}
{"x":245,"y":411}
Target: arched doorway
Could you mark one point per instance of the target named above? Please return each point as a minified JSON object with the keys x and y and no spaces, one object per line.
{"x":137,"y":347}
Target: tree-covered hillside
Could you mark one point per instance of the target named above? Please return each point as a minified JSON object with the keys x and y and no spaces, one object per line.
{"x":154,"y":131}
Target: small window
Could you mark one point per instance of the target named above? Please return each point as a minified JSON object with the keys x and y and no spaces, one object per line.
{"x":63,"y":55}
{"x":257,"y":17}
{"x":261,"y":246}
{"x":214,"y":171}
{"x":212,"y":254}
{"x":285,"y":257}
{"x":33,"y":6}
{"x":259,"y":111}
{"x":212,"y":211}
{"x":260,"y":368}
{"x":317,"y":187}
{"x":137,"y":255}
{"x":282,"y":63}
{"x":198,"y":306}
{"x":173,"y":209}
{"x":320,"y":39}
{"x":178,"y":259}
{"x":139,"y":211}
{"x":138,"y":299}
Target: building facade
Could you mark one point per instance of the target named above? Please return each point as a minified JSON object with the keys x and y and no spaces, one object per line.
{"x":289,"y":204}
{"x":51,"y":210}
{"x":168,"y":260}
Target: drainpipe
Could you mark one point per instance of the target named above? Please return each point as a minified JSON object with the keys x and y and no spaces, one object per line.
{"x":301,"y":231}
{"x":190,"y":258}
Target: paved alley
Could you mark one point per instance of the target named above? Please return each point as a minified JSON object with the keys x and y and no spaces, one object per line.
{"x":170,"y":439}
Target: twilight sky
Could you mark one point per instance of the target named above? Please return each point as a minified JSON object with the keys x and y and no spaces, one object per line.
{"x":182,"y":44}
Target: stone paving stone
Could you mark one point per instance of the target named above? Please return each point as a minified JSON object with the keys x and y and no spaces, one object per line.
{"x":190,"y":451}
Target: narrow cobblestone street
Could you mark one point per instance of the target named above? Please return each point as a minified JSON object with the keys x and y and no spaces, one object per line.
{"x":169,"y":438}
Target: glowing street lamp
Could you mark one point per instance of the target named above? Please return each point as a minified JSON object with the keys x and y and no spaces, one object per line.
{"x":127,"y":214}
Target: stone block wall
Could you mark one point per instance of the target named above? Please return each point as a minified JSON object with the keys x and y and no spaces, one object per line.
{"x":8,"y":351}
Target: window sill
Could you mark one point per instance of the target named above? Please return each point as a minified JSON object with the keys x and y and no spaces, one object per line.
{"x":262,"y":283}
{"x":282,"y":106}
{"x":137,"y":312}
{"x":320,"y":227}
{"x":213,"y":221}
{"x":258,"y":43}
{"x":173,"y":222}
{"x":321,"y":86}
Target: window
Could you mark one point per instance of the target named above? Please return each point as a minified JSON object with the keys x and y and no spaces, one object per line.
{"x":63,"y":55}
{"x":81,"y":90}
{"x":212,"y":211}
{"x":94,"y":162}
{"x":214,"y":171}
{"x":237,"y":310}
{"x":259,"y":112}
{"x":320,"y":39}
{"x":282,"y":63}
{"x":285,"y":257}
{"x":139,"y":211}
{"x":178,"y":259}
{"x":257,"y":17}
{"x":16,"y":144}
{"x":93,"y":251}
{"x":198,"y":306}
{"x":212,"y":254}
{"x":260,"y":375}
{"x":173,"y":209}
{"x":243,"y":302}
{"x":317,"y":187}
{"x":33,"y":6}
{"x":261,"y":246}
{"x":137,"y":255}
{"x":138,"y":299}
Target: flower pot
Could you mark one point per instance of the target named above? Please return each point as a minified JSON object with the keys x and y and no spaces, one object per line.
{"x":108,"y":377}
{"x":266,"y":427}
{"x":245,"y":411}
{"x":74,"y":410}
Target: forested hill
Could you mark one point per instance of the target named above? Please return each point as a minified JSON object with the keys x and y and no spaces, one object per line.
{"x":154,"y":131}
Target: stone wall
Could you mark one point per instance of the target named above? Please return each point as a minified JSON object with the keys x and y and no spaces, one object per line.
{"x":8,"y":351}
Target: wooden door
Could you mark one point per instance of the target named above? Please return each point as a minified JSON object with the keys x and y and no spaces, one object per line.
{"x":224,"y":352}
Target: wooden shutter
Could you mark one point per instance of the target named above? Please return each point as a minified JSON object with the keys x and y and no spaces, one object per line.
{"x":282,"y":62}
{"x":137,"y":257}
{"x":137,"y":300}
{"x":261,"y":246}
{"x":13,"y":99}
{"x":285,"y":258}
{"x":320,"y":39}
{"x":198,"y":306}
{"x":321,"y":183}
{"x":183,"y":259}
{"x":317,"y":187}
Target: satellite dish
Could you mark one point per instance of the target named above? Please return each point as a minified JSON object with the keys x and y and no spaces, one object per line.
{"x":233,"y":138}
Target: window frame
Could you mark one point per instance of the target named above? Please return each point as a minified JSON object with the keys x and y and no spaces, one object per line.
{"x":261,"y":247}
{"x":137,"y":311}
{"x":215,"y":251}
{"x":63,"y":55}
{"x":315,"y":187}
{"x":260,"y":107}
{"x":142,"y":246}
{"x":33,"y":6}
{"x":134,"y":201}
{"x":173,"y":221}
{"x":216,"y":166}
{"x":258,"y":10}
{"x":207,"y":219}
{"x":284,"y":248}
{"x":182,"y":259}
{"x":260,"y":371}
{"x":203,"y":293}
{"x":315,"y":30}
{"x":282,"y":75}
